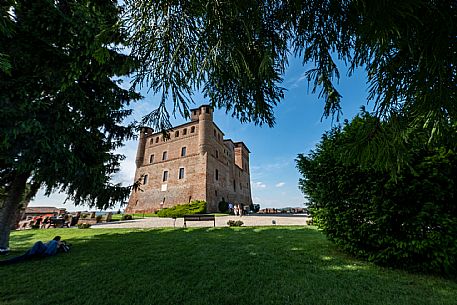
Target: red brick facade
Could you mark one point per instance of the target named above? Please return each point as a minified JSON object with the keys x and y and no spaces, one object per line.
{"x":195,"y":163}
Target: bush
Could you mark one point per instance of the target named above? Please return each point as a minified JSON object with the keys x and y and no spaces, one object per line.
{"x":408,"y":220}
{"x":98,"y":218}
{"x":223,"y":206}
{"x":235,"y":223}
{"x":83,"y":225}
{"x":126,"y":217}
{"x":195,"y":207}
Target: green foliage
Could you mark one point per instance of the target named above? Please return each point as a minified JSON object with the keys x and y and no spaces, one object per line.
{"x":83,"y":225}
{"x":236,"y":53}
{"x":235,"y":223}
{"x":223,"y":206}
{"x":126,"y":217}
{"x":62,"y":107}
{"x":195,"y":207}
{"x":408,"y":220}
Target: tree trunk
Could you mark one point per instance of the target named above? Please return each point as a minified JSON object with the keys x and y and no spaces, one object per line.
{"x":8,"y":210}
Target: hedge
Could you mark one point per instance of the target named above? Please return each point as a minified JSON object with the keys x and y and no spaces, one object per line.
{"x":195,"y":207}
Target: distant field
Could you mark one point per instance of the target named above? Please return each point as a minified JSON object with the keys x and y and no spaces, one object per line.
{"x":263,"y":265}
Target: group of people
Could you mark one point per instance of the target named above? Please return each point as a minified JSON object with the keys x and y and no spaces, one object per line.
{"x":236,"y":209}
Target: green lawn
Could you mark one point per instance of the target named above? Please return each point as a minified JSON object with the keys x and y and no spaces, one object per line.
{"x":268,"y":265}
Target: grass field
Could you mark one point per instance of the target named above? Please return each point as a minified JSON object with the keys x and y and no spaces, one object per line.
{"x":263,"y":265}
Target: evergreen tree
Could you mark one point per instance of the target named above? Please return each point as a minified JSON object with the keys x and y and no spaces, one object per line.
{"x":236,"y":52}
{"x":61,"y":106}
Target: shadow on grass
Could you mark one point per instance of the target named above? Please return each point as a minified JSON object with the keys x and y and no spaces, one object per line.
{"x":266,"y":265}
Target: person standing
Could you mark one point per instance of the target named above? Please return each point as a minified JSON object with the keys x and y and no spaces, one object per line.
{"x":230,"y":206}
{"x":236,"y":210}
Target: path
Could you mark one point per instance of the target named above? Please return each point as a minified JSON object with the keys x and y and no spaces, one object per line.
{"x":221,"y":221}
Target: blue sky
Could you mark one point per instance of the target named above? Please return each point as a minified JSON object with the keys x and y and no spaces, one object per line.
{"x":274,"y":178}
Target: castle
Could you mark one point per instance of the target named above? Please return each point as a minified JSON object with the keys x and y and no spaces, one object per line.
{"x":194,"y":163}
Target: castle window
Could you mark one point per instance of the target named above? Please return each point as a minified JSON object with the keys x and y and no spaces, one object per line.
{"x":177,"y":133}
{"x":184,"y":132}
{"x":241,"y":188}
{"x":219,"y":136}
{"x":145,"y":179}
{"x":183,"y":151}
{"x":151,"y":158}
{"x":192,"y":129}
{"x":215,"y":132}
{"x":195,"y":112}
{"x":151,"y":141}
{"x":217,"y":154}
{"x":217,"y":174}
{"x":215,"y":192}
{"x":157,"y":140}
{"x":206,"y":109}
{"x":234,"y":186}
{"x":181,"y":173}
{"x":165,"y":176}
{"x":164,"y":156}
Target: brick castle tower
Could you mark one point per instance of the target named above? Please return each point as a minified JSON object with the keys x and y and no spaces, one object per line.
{"x":195,"y":163}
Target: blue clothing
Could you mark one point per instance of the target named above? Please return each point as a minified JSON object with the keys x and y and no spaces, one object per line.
{"x":38,"y":250}
{"x":51,"y":248}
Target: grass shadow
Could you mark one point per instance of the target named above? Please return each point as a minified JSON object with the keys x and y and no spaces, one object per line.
{"x":257,"y":265}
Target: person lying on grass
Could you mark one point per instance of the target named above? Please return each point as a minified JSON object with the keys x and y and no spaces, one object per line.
{"x":40,"y":250}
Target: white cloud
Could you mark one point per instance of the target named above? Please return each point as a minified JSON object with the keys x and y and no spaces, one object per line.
{"x":280,"y":184}
{"x":260,"y":185}
{"x":296,"y":81}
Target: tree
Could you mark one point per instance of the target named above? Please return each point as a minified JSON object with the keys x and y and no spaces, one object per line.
{"x":407,"y":221}
{"x":235,"y":52}
{"x":61,"y":105}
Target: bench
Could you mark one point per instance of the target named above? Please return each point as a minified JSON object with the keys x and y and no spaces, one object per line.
{"x":199,"y":217}
{"x":57,"y":222}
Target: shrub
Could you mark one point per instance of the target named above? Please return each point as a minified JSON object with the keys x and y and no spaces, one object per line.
{"x":235,"y":223}
{"x":408,"y":220}
{"x":98,"y":218}
{"x":223,"y":206}
{"x":83,"y":225}
{"x":195,"y":207}
{"x":126,"y":217}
